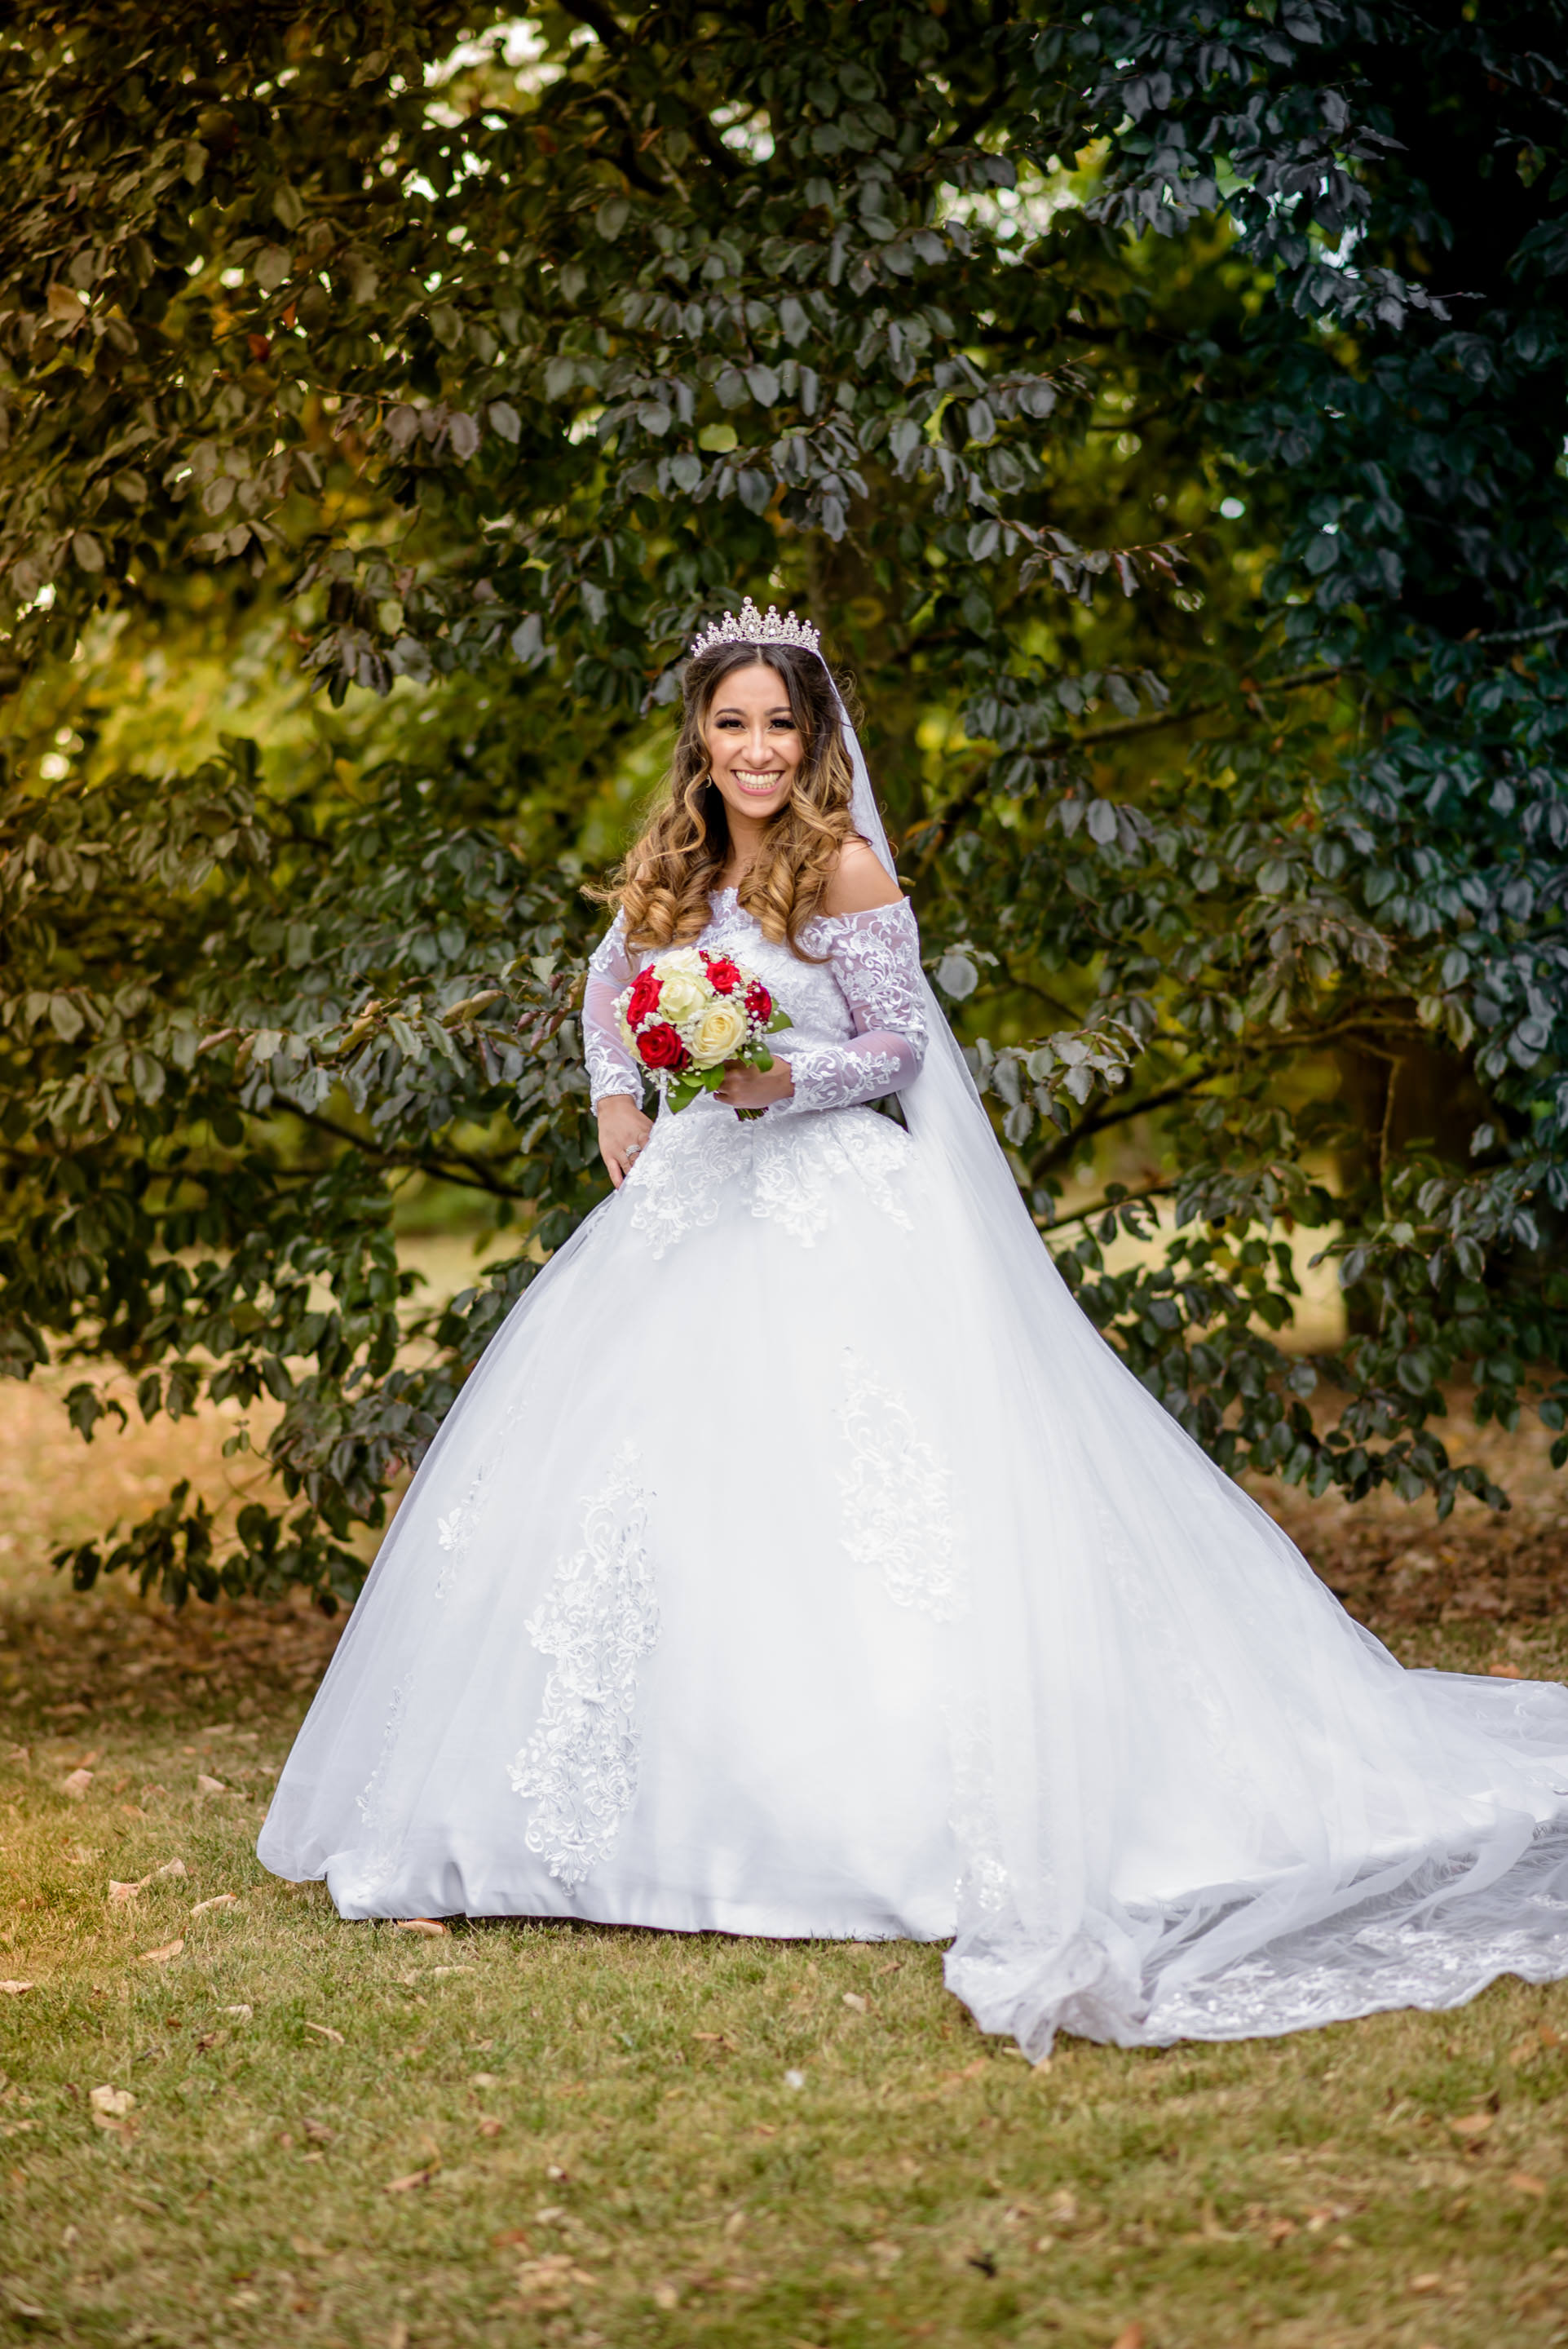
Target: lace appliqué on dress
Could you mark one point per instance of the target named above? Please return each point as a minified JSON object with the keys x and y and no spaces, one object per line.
{"x":899,"y":1513}
{"x":676,"y":1182}
{"x":456,"y":1531}
{"x":801,"y":1166}
{"x":826,"y":1076}
{"x":599,"y":1619}
{"x":876,"y":961}
{"x":380,"y":1835}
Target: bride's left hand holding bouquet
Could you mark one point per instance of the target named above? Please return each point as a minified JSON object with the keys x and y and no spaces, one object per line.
{"x":690,"y":1016}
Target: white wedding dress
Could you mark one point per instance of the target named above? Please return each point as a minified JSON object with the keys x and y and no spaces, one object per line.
{"x":799,"y":1560}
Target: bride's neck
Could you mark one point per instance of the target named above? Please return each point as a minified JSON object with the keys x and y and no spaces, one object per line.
{"x":744,"y":845}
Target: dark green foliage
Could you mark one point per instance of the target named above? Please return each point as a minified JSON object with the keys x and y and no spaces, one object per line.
{"x":1161,"y":407}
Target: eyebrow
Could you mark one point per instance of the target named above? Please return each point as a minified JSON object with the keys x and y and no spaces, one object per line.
{"x":732,"y":710}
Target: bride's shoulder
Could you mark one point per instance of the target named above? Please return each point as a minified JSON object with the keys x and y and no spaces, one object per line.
{"x":859,"y":882}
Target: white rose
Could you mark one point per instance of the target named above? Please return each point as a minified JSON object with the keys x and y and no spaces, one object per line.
{"x":720,"y":1034}
{"x":682,"y":986}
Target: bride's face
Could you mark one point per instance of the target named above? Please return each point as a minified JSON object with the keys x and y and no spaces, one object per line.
{"x":753,"y":745}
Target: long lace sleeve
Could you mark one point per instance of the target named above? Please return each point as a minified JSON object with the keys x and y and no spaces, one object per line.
{"x":611,"y":1068}
{"x":876,"y":961}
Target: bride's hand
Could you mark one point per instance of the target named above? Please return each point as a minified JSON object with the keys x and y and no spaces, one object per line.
{"x":747,"y":1088}
{"x":622,"y":1132}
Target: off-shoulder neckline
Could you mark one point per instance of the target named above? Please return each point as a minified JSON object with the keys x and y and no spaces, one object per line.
{"x":730,"y":900}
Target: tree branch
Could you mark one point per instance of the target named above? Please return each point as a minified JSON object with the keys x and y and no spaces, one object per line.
{"x":1520,"y":636}
{"x":1103,"y":1207}
{"x":1117,"y":1112}
{"x":477,"y":1178}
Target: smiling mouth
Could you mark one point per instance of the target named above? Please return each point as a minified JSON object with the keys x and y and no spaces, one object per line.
{"x":750,"y":780}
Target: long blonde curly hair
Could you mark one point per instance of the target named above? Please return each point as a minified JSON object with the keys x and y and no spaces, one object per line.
{"x":664,"y":882}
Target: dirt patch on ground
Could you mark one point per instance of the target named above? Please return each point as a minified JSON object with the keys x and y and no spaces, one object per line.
{"x":1394,"y":1564}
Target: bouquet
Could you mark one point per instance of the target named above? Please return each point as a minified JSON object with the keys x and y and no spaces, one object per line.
{"x":690,"y":1015}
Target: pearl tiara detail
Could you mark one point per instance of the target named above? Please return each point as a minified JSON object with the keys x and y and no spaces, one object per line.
{"x":751,"y":626}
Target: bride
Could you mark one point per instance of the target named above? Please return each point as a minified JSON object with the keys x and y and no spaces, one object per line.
{"x":800,"y":1561}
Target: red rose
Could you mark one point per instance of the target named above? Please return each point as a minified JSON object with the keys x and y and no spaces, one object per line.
{"x":758,"y":1004}
{"x":661,"y":1047}
{"x":644,"y":998}
{"x":723,"y":975}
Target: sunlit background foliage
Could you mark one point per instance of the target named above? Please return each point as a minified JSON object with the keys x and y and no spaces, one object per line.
{"x":1159,"y":408}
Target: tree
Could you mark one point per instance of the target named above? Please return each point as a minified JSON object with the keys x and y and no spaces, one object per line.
{"x":976,"y":331}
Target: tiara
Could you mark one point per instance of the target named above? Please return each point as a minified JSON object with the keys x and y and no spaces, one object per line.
{"x":751,"y":626}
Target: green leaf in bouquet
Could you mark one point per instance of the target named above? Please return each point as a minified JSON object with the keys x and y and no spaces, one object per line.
{"x":780,"y":1020}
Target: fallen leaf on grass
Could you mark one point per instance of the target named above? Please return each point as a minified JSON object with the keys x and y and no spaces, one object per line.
{"x":1505,"y":1673}
{"x":172,"y":1868}
{"x":549,"y":2283}
{"x":852,"y":1999}
{"x":1532,"y":2043}
{"x":119,"y":1892}
{"x":17,"y":2303}
{"x":1472,"y":2125}
{"x":76,"y":1785}
{"x":243,"y":2013}
{"x":484,"y":2079}
{"x":431,"y":1927}
{"x":218,"y":1900}
{"x":111,"y":2110}
{"x":488,"y":2126}
{"x":318,"y":2132}
{"x":1525,"y":2182}
{"x":326,"y":2031}
{"x":206,"y":1785}
{"x":415,"y":2178}
{"x":1131,"y":2336}
{"x":165,"y":1950}
{"x":14,"y":1989}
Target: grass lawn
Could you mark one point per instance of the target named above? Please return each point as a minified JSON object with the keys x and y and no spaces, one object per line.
{"x":228,"y":2117}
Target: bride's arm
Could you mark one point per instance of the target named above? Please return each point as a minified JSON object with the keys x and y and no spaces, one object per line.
{"x":615,"y":1079}
{"x":876,"y":961}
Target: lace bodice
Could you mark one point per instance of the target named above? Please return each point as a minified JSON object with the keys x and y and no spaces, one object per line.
{"x":858,"y":1030}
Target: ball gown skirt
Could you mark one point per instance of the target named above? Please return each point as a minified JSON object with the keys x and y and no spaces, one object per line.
{"x":799,"y":1561}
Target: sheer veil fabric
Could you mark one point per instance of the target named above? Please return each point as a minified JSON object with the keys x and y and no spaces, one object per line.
{"x":1197,"y":1799}
{"x":799,"y":1560}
